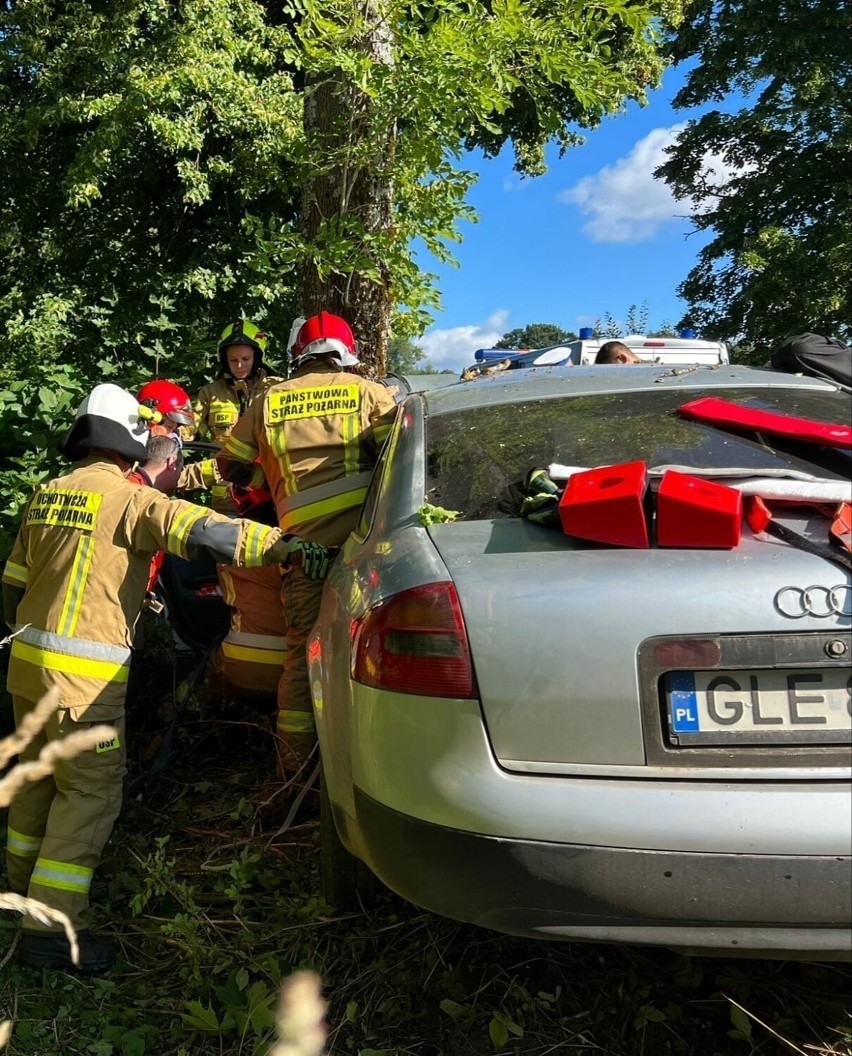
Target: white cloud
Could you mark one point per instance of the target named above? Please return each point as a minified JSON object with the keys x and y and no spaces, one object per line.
{"x":454,"y":348}
{"x":625,"y":202}
{"x":514,"y":184}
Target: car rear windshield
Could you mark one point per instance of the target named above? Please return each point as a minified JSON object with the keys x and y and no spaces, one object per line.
{"x":478,"y":458}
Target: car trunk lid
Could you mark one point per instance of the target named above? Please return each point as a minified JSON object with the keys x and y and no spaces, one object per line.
{"x":555,"y":628}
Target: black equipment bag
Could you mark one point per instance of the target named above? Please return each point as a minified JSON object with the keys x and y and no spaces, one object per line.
{"x":196,"y":610}
{"x":817,"y":356}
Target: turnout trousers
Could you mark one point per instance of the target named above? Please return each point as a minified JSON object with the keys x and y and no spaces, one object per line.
{"x":59,"y":825}
{"x":296,"y":730}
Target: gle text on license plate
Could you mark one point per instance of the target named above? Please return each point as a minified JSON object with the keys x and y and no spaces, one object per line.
{"x":778,"y":706}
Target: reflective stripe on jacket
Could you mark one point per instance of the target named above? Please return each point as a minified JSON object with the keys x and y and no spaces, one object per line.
{"x":318,"y":436}
{"x":254,"y":648}
{"x":82,"y":555}
{"x":219,"y":404}
{"x":323,"y":499}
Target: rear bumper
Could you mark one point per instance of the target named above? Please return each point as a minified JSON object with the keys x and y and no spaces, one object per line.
{"x":430,"y":758}
{"x":771,"y":905}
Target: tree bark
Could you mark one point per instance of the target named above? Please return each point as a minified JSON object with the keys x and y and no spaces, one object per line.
{"x":347,"y":199}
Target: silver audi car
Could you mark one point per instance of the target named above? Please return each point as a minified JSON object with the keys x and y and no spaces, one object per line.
{"x":556,"y":737}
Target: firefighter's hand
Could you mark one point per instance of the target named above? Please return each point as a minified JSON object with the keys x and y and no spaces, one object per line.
{"x":314,"y":559}
{"x":228,"y":469}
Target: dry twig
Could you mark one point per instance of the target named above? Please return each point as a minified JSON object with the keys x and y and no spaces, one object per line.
{"x":301,"y":1017}
{"x":766,"y":1026}
{"x":31,"y":907}
{"x":14,"y":634}
{"x":52,"y":753}
{"x":30,"y":725}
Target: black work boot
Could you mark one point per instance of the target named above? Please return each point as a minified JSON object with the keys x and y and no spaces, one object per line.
{"x":49,"y":949}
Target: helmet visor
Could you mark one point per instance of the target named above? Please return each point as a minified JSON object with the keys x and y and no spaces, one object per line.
{"x":182,"y":415}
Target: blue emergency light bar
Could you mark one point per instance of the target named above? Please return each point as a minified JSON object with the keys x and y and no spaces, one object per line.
{"x":482,"y":354}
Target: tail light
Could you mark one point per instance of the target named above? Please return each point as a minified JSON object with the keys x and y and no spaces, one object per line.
{"x":415,"y":642}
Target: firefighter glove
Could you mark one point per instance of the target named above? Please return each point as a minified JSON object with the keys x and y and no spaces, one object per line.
{"x":539,"y":482}
{"x":314,"y":559}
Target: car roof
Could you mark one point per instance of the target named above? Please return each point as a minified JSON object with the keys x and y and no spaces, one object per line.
{"x":402,"y":384}
{"x":535,"y":383}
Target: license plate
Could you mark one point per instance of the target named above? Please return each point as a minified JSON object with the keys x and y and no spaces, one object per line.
{"x":760,"y":707}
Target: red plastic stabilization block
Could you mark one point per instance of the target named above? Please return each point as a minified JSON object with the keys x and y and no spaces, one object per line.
{"x":693,"y":512}
{"x":757,"y":513}
{"x":841,"y":526}
{"x":607,"y":505}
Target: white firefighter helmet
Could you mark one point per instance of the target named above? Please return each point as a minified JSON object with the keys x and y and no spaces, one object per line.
{"x":108,"y":419}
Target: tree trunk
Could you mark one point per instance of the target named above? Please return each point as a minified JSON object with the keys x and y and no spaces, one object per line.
{"x":347,"y":199}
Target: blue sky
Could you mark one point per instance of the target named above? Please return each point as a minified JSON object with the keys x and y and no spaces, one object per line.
{"x":596,"y":234}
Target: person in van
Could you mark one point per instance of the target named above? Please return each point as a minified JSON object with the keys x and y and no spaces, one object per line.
{"x":616,"y":352}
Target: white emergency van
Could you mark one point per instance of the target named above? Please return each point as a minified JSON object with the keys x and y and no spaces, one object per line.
{"x":685,"y":349}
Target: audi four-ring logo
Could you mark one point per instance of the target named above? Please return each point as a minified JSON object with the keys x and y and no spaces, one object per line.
{"x":796,"y":602}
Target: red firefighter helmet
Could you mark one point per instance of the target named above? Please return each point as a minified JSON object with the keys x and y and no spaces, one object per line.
{"x":168,"y":400}
{"x":325,"y":333}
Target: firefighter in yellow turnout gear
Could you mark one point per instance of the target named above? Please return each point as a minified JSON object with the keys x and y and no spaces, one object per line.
{"x":243,"y":378}
{"x":318,"y":437}
{"x":73,"y":588}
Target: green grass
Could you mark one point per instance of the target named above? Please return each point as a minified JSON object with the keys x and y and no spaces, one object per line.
{"x":211,"y":909}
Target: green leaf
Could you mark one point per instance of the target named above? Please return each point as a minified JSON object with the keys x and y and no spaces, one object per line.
{"x":428,"y":514}
{"x":453,"y":1009}
{"x":742,"y":1022}
{"x":778,"y":252}
{"x":100,"y":1048}
{"x":509,"y":1024}
{"x":200,"y":1017}
{"x":650,"y":1014}
{"x":498,"y":1033}
{"x":133,"y":1044}
{"x":47,"y":398}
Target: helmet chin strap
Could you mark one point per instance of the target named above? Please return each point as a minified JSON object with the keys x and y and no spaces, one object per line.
{"x":241,"y":391}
